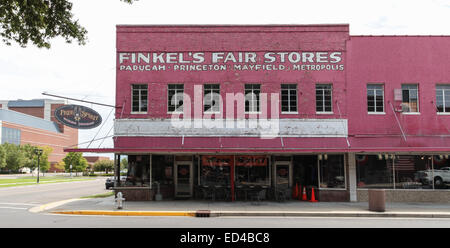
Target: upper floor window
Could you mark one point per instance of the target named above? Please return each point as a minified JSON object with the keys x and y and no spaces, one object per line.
{"x":443,"y":98}
{"x":410,"y":98}
{"x":289,"y":98}
{"x":211,"y":98}
{"x":324,"y":98}
{"x":175,"y":97}
{"x":139,"y":98}
{"x":375,"y":98}
{"x":252,"y":99}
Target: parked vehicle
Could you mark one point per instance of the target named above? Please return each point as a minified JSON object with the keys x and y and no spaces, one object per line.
{"x":441,"y":177}
{"x":111,"y":180}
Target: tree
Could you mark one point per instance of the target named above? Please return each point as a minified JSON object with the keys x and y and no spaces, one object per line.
{"x":123,"y":163}
{"x":31,"y":158}
{"x":39,"y":21}
{"x":60,"y":166}
{"x":104,"y":165}
{"x":2,"y":156}
{"x":76,"y":159}
{"x":15,"y":158}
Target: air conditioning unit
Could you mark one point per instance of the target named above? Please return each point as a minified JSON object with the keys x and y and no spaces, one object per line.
{"x":399,"y":108}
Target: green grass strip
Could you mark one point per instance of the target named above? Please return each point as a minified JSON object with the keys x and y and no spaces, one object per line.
{"x":100,"y":195}
{"x":32,"y":181}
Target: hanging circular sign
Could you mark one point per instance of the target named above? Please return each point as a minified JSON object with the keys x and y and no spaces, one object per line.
{"x":77,"y":116}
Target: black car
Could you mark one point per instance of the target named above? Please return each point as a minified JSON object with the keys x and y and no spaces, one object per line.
{"x":111,"y":180}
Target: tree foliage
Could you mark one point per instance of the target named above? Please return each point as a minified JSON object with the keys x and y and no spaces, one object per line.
{"x":2,"y":157}
{"x":15,"y":157}
{"x":104,"y":165}
{"x":31,"y":158}
{"x":76,"y":159}
{"x":38,"y":21}
{"x":123,"y":163}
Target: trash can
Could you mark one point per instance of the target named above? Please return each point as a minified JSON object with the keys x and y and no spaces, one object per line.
{"x":377,"y":200}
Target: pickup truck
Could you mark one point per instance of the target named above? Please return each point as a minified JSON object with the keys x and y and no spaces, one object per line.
{"x":441,"y":176}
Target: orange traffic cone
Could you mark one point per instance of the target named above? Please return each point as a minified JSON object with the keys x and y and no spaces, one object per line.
{"x":313,"y":198}
{"x":304,"y":197}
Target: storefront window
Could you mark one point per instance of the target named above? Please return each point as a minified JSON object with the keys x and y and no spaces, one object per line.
{"x":216,"y":170}
{"x":374,"y":172}
{"x":437,"y":168}
{"x":138,"y":170}
{"x":332,"y":174}
{"x":252,"y":170}
{"x":410,"y":171}
{"x":407,"y":171}
{"x":162,"y":169}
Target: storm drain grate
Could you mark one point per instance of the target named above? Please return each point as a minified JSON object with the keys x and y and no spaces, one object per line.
{"x":203,"y":213}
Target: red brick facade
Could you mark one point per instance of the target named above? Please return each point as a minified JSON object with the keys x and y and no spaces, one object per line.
{"x":66,"y":137}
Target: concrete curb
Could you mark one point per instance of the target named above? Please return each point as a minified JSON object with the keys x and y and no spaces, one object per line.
{"x":128,"y":213}
{"x":259,"y":214}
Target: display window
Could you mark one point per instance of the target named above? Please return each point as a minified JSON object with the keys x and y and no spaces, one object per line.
{"x":252,"y":170}
{"x":138,"y":173}
{"x":215,"y":170}
{"x":403,"y":171}
{"x":332,"y":171}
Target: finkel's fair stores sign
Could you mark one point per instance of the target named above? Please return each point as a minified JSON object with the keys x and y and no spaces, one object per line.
{"x":235,"y":61}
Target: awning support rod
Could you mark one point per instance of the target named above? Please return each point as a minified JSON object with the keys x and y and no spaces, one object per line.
{"x":68,"y":98}
{"x":343,"y":127}
{"x":398,"y":122}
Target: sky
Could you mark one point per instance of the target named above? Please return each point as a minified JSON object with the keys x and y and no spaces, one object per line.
{"x":88,"y":72}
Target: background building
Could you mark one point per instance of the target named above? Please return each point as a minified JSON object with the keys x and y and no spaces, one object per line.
{"x":33,"y":122}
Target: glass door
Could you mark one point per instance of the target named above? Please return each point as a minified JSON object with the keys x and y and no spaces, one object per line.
{"x":183,"y":179}
{"x":283,"y":175}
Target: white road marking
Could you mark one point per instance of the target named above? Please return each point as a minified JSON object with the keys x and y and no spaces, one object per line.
{"x":14,"y":208}
{"x":18,"y":203}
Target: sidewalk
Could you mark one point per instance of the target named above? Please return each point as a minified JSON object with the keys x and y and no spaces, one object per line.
{"x":106,"y":206}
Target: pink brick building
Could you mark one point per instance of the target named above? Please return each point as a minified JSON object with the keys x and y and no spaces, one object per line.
{"x":262,"y":110}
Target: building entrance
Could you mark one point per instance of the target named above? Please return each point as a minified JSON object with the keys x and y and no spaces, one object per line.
{"x":305,"y":170}
{"x":183,"y":179}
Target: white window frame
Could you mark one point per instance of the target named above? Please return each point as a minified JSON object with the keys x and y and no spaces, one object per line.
{"x":257,"y":100}
{"x":289,"y":99}
{"x":211,"y":93}
{"x":443,"y":112}
{"x":176,"y":96}
{"x":409,"y":94}
{"x":323,"y":100}
{"x":375,"y":112}
{"x":140,"y":99}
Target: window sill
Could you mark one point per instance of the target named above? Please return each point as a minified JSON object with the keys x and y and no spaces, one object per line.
{"x":324,"y":113}
{"x":139,"y":113}
{"x":289,"y":113}
{"x":410,"y":113}
{"x":443,"y":113}
{"x":376,"y":113}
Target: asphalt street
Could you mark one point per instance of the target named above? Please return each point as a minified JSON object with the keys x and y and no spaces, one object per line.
{"x":16,"y":202}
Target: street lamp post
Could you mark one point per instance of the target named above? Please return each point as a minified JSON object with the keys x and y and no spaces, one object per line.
{"x":38,"y":152}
